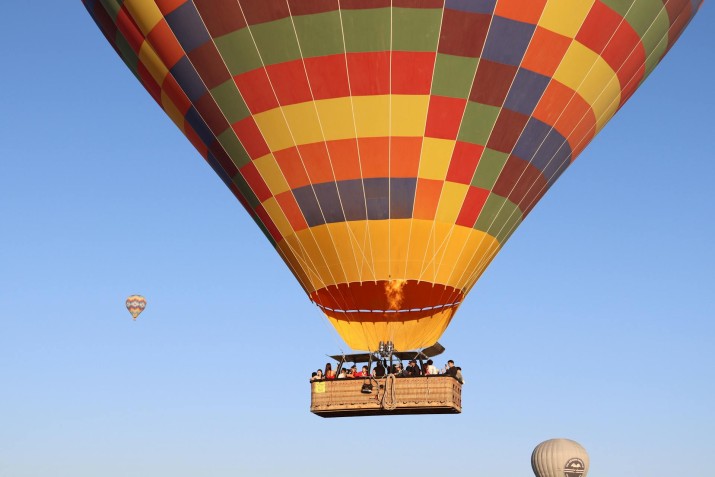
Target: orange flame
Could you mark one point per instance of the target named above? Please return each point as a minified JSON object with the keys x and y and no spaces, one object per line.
{"x":393,"y":292}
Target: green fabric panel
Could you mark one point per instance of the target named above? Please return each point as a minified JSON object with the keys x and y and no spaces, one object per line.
{"x":128,"y":55}
{"x":230,"y":101}
{"x":112,"y":7}
{"x":246,"y":190}
{"x":276,"y":41}
{"x":238,"y":51}
{"x":367,"y":30}
{"x":641,"y":16}
{"x":415,"y":29}
{"x":656,"y":40}
{"x":320,"y":34}
{"x":620,"y":6}
{"x":499,"y":218}
{"x":233,"y":147}
{"x":477,"y":123}
{"x":490,"y":166}
{"x":453,"y":75}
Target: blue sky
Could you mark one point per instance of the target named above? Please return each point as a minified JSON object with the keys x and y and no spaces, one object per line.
{"x":594,"y":323}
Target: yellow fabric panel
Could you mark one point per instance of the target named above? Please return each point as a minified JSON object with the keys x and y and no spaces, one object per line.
{"x":379,"y":239}
{"x":336,"y":116}
{"x":360,"y":230}
{"x":406,"y":335}
{"x":444,"y":253}
{"x":483,"y":252}
{"x":335,"y":272}
{"x":435,"y":158}
{"x":565,"y":16}
{"x":587,"y":73}
{"x":347,"y":251}
{"x":172,"y":111}
{"x":145,"y":14}
{"x":275,"y":131}
{"x":289,"y":257}
{"x":476,"y":247}
{"x":399,"y":237}
{"x":371,"y":115}
{"x":152,"y":62}
{"x":419,"y":241}
{"x":442,"y":232}
{"x":316,"y":265}
{"x":450,"y":202}
{"x":277,"y":216}
{"x":295,"y":253}
{"x":303,"y":122}
{"x":271,"y":174}
{"x":409,"y":115}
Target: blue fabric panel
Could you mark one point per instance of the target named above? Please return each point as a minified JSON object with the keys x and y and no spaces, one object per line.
{"x":194,"y":119}
{"x":185,"y":74}
{"x":507,"y":41}
{"x":544,"y":148}
{"x":353,"y":198}
{"x":308,"y":205}
{"x":474,"y":6}
{"x":402,"y":197}
{"x":187,"y":26}
{"x":376,"y":193}
{"x":526,"y":91}
{"x":329,"y":202}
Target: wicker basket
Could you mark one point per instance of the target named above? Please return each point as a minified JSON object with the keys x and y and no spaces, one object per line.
{"x":423,"y":395}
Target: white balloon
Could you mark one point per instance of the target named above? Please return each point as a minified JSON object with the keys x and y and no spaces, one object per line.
{"x":559,"y":458}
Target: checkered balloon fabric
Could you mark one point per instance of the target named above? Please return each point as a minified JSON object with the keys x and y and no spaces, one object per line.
{"x":389,"y":148}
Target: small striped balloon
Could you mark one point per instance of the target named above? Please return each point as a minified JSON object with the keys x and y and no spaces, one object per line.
{"x":135,"y":305}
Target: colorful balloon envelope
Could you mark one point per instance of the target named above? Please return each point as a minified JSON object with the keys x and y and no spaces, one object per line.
{"x":388,"y":149}
{"x":135,"y":305}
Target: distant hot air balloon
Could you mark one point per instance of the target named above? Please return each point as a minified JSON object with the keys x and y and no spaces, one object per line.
{"x":389,"y":148}
{"x":559,"y":458}
{"x":135,"y":305}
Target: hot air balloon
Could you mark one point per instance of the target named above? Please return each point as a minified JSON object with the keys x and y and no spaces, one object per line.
{"x":559,"y":458}
{"x":135,"y":305}
{"x":389,"y":148}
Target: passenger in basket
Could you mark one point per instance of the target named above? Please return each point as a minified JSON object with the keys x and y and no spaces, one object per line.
{"x":317,"y":376}
{"x":343,"y":374}
{"x":352,"y":371}
{"x":398,"y":371}
{"x":458,"y":375}
{"x":379,"y":370}
{"x":413,"y":370}
{"x":329,"y":373}
{"x":431,"y":368}
{"x":362,"y":373}
{"x":450,"y":370}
